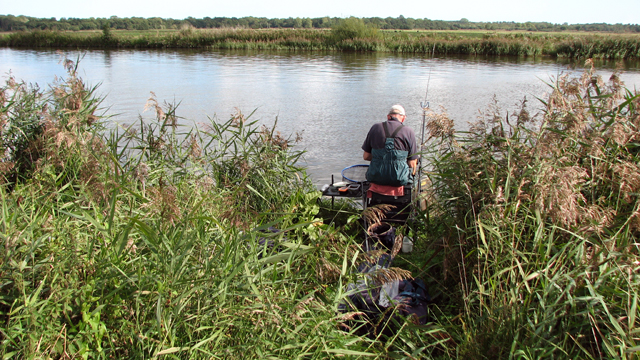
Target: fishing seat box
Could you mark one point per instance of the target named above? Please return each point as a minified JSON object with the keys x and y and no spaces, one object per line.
{"x":402,"y":205}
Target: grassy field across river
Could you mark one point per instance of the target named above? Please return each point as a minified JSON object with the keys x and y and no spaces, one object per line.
{"x":346,"y":38}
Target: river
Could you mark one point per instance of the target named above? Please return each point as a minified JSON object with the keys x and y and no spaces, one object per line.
{"x":331,"y":98}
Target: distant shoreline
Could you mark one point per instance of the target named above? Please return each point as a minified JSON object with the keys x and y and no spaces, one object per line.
{"x":23,"y":23}
{"x":459,"y":42}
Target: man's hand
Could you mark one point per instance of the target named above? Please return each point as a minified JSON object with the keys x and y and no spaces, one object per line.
{"x":413,"y":164}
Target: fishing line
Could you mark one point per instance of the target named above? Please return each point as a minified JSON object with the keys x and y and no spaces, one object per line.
{"x":424,"y":105}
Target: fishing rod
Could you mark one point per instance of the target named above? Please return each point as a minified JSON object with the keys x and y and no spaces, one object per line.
{"x":425,"y":106}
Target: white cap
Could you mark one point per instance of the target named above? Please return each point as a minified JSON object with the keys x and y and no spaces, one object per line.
{"x":397,"y":109}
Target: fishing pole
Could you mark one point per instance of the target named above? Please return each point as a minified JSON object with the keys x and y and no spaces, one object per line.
{"x":424,"y":105}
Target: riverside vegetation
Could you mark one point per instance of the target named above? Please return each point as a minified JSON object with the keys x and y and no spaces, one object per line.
{"x":144,"y":241}
{"x":350,"y":34}
{"x":20,"y":23}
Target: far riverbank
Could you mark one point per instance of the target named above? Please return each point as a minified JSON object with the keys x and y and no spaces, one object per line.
{"x":524,"y":44}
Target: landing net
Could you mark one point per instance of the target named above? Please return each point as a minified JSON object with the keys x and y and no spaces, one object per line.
{"x":355,"y":173}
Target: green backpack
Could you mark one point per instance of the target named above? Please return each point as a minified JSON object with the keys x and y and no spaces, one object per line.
{"x":389,"y":165}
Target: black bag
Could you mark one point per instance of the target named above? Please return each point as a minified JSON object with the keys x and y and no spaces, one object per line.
{"x":413,"y":299}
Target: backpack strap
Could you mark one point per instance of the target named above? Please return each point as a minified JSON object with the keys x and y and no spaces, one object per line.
{"x":396,"y":132}
{"x":386,"y":130}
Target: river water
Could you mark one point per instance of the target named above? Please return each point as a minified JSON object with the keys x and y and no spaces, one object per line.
{"x":331,"y":98}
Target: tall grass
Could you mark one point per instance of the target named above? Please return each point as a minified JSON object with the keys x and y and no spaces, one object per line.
{"x":538,"y":222}
{"x":158,"y":239}
{"x":149,"y":240}
{"x":348,"y":36}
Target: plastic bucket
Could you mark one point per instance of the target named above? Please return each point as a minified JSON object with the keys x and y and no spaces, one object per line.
{"x":384,"y":234}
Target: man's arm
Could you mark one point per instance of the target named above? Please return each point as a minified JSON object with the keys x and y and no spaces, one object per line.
{"x":413,"y":164}
{"x":367,"y":156}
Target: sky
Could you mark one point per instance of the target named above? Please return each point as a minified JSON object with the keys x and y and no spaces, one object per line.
{"x":553,"y":11}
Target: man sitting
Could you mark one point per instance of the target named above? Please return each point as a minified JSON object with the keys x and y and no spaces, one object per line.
{"x":391,"y":148}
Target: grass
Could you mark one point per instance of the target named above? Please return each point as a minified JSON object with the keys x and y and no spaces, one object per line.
{"x":153,"y":240}
{"x":579,"y":46}
{"x":539,"y":227}
{"x":147,"y":241}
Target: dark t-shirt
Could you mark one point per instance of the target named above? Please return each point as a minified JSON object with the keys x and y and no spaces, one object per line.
{"x":405,"y":138}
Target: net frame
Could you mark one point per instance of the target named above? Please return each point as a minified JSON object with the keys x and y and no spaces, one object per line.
{"x":355,"y":173}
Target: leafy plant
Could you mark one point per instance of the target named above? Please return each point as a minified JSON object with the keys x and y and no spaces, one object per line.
{"x":354,"y":28}
{"x":21,"y":126}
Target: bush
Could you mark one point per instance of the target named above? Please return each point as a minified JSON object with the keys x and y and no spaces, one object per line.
{"x":21,"y":128}
{"x":353,"y":28}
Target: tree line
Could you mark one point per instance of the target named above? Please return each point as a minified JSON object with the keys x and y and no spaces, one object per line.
{"x":21,"y":23}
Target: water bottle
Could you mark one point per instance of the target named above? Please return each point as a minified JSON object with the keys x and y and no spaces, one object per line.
{"x":407,"y":244}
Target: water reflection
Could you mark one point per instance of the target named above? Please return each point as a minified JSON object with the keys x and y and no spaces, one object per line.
{"x":333,"y":98}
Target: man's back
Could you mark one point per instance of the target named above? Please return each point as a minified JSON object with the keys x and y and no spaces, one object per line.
{"x":405,"y":138}
{"x":392,"y":150}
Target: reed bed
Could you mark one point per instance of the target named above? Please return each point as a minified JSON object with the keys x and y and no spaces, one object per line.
{"x":157,"y":239}
{"x":490,"y":43}
{"x":537,"y":221}
{"x":207,"y":241}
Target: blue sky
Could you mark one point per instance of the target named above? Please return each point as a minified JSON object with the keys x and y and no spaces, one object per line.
{"x":554,"y":11}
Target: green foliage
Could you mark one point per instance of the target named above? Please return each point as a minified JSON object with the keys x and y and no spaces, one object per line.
{"x":149,"y":240}
{"x":152,"y":239}
{"x":354,"y":28}
{"x":21,"y":23}
{"x":350,"y":34}
{"x":539,"y":220}
{"x":106,"y":33}
{"x":30,"y":119}
{"x":21,"y":126}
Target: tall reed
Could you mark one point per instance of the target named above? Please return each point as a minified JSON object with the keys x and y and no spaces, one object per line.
{"x":352,"y":38}
{"x":206,"y":241}
{"x":157,"y":239}
{"x":541,"y":224}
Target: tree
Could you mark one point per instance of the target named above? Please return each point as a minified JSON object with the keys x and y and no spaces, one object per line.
{"x":354,"y":28}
